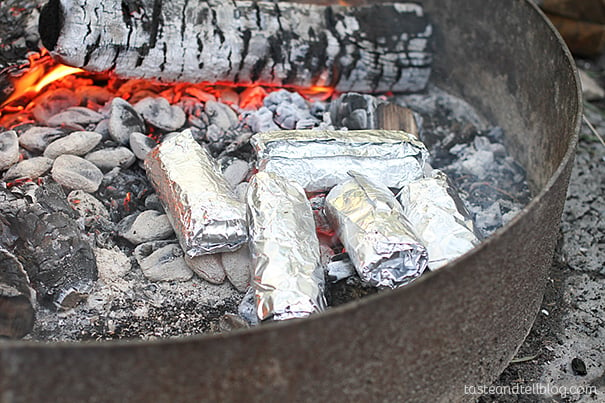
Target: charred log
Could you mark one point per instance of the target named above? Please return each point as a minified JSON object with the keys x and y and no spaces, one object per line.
{"x":58,"y":259}
{"x":383,"y":47}
{"x":16,"y":308}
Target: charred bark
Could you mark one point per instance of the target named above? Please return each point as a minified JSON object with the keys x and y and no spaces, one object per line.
{"x":59,"y":261}
{"x":16,"y":308}
{"x":382,"y":47}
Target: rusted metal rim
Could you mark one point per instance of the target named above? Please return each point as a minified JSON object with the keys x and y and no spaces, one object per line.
{"x":458,"y":326}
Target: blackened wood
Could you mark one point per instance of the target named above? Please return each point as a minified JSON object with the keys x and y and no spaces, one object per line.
{"x":16,"y":308}
{"x":383,"y":47}
{"x":58,"y":259}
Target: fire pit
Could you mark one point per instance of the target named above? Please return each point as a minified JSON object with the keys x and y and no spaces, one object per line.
{"x":460,"y":325}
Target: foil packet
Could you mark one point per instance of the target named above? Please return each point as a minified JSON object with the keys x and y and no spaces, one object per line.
{"x":439,"y":218}
{"x":378,"y":238}
{"x":288,"y":277}
{"x":205,"y":214}
{"x":319,"y":159}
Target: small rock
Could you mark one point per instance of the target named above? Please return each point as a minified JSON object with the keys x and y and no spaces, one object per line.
{"x":141,"y":144}
{"x":36,"y":139}
{"x":150,"y":225}
{"x":236,"y":172}
{"x":578,"y":367}
{"x":77,"y":143}
{"x":87,"y":205}
{"x":76,"y":115}
{"x":112,"y":264}
{"x":221,"y":115}
{"x":123,"y":120}
{"x":208,"y":267}
{"x":238,"y":266}
{"x":160,"y":261}
{"x":74,"y":172}
{"x":159,"y":113}
{"x":52,"y":102}
{"x":591,"y":90}
{"x":31,"y":168}
{"x":9,"y":149}
{"x":110,"y":158}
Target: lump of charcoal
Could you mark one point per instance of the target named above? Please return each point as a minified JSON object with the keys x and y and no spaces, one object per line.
{"x":150,"y":225}
{"x":123,"y":120}
{"x":238,"y":266}
{"x":76,"y":173}
{"x":75,"y":116}
{"x":236,"y":172}
{"x":77,"y":143}
{"x":31,"y":168}
{"x":162,"y":261}
{"x":93,"y":94}
{"x":36,"y":139}
{"x":159,"y":113}
{"x":141,"y":144}
{"x":58,"y":259}
{"x":52,"y":102}
{"x":16,"y":295}
{"x":221,"y":115}
{"x":110,"y":158}
{"x":261,"y":120}
{"x":9,"y":149}
{"x":87,"y":205}
{"x":354,"y":111}
{"x":208,"y":267}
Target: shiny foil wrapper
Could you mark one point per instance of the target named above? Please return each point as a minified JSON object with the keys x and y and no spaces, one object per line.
{"x":288,"y":277}
{"x":371,"y":225}
{"x":439,"y":218}
{"x":319,"y":160}
{"x":206,"y":216}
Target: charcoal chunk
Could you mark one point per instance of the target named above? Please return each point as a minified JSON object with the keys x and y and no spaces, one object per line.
{"x":16,"y":308}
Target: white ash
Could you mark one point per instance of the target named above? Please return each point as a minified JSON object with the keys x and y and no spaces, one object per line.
{"x":147,"y":289}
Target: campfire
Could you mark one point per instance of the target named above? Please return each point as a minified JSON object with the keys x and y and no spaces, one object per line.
{"x":95,"y":230}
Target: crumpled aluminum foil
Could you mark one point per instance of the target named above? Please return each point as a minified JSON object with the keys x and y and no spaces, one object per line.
{"x":205,"y":214}
{"x":379,"y":240}
{"x":439,"y":218}
{"x":319,"y":160}
{"x":288,"y":277}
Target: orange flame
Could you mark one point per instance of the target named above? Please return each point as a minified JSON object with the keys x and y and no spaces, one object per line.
{"x":42,"y":71}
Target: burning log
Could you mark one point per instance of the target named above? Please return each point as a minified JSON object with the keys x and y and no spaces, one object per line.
{"x":383,"y":47}
{"x":16,"y":294}
{"x":57,"y":257}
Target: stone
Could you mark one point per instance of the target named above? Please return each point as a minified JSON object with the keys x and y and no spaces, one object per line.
{"x":238,"y":267}
{"x":159,"y":113}
{"x":124,"y":120}
{"x":141,"y":144}
{"x":31,"y":168}
{"x":221,"y":115}
{"x":150,"y":225}
{"x":76,"y":115}
{"x":162,"y":261}
{"x":236,"y":172}
{"x":112,"y":264}
{"x":36,"y":139}
{"x":9,"y":149}
{"x":75,"y":172}
{"x":77,"y":143}
{"x":110,"y":158}
{"x":208,"y":267}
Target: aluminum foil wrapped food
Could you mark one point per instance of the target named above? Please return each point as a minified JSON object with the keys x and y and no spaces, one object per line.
{"x":378,"y":238}
{"x":439,"y":218}
{"x":205,"y":214}
{"x":288,"y":277}
{"x":319,"y":160}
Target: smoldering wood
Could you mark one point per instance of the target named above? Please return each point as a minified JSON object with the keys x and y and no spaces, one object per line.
{"x":56,"y":256}
{"x":377,"y":48}
{"x":16,"y":308}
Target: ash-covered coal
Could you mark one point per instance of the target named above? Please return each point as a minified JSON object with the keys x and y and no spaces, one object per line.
{"x":147,"y":287}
